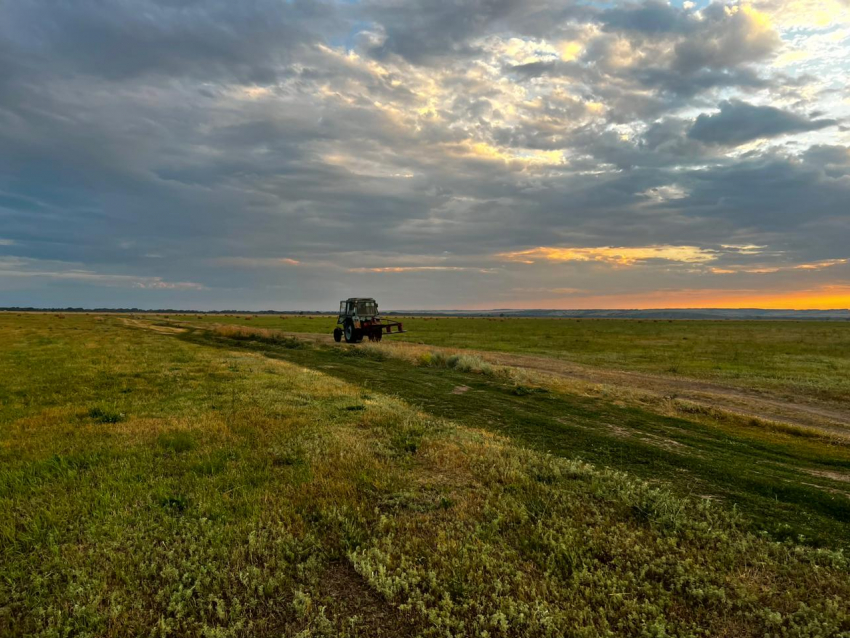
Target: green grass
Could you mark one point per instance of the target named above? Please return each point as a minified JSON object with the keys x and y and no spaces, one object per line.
{"x":800,"y":358}
{"x":251,"y":488}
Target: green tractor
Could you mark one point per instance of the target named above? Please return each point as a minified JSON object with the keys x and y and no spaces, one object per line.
{"x":359,"y":318}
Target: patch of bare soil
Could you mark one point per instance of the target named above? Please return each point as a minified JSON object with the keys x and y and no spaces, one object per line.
{"x":460,"y":389}
{"x":618,"y":430}
{"x":665,"y":444}
{"x":835,"y":476}
{"x":347,"y":595}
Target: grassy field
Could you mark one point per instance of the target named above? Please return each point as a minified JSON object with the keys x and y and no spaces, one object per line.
{"x":799,"y":358}
{"x":171,"y":483}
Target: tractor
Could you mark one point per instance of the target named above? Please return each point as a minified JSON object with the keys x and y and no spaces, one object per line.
{"x":359,"y":318}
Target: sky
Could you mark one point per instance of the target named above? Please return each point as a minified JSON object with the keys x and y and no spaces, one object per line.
{"x":469,"y":154}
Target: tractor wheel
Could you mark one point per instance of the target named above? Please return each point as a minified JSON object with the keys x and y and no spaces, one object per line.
{"x":377,"y":336}
{"x":337,"y":335}
{"x":350,"y":332}
{"x":358,"y":336}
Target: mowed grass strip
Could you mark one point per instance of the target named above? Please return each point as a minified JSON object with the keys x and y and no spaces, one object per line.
{"x":237,"y":495}
{"x":797,"y":358}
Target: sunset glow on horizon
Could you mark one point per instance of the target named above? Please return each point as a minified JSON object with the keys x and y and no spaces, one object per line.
{"x":830,"y":299}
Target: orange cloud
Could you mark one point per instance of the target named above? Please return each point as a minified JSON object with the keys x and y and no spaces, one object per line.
{"x":621,"y":256}
{"x":819,"y":265}
{"x":764,"y":270}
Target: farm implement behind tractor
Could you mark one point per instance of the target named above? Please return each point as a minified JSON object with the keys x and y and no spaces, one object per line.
{"x":359,"y":318}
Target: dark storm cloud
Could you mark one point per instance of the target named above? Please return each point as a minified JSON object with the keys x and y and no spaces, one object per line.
{"x":739,"y":122}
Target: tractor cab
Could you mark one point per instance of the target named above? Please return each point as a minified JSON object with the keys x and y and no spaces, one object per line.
{"x":357,"y":308}
{"x":359,"y":318}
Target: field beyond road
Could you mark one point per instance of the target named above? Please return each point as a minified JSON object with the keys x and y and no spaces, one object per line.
{"x":170,"y":476}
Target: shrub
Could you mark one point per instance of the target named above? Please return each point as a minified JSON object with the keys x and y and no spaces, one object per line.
{"x":103,"y":413}
{"x":459,"y":362}
{"x":439,"y":359}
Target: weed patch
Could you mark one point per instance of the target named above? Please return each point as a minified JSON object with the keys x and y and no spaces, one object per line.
{"x":288,"y":456}
{"x":104,"y":413}
{"x":459,"y":362}
{"x":177,"y":441}
{"x":174,"y":503}
{"x":212,"y":464}
{"x":521,"y":390}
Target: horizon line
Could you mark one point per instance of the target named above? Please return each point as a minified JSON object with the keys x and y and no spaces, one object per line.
{"x":411,"y":310}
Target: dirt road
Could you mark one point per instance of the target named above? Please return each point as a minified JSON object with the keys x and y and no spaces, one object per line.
{"x":796,"y":411}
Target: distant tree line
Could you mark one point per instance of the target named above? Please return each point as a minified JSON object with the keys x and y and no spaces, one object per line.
{"x":160,"y":311}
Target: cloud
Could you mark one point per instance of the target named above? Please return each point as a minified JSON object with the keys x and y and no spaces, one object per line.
{"x":820,"y":265}
{"x":785,"y":196}
{"x":730,"y":35}
{"x":257,"y":262}
{"x":251,"y":42}
{"x":30,"y":268}
{"x":739,"y":122}
{"x":430,"y":32}
{"x":834,"y":160}
{"x":650,"y":18}
{"x":158,"y":284}
{"x":617,"y":256}
{"x":396,"y":269}
{"x":769,"y":270}
{"x":746,"y":249}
